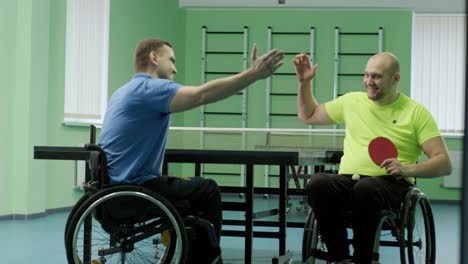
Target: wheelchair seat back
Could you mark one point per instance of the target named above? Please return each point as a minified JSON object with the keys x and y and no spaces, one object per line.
{"x":119,"y":210}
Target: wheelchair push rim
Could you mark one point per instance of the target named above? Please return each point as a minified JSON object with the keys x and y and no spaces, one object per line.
{"x":87,"y":213}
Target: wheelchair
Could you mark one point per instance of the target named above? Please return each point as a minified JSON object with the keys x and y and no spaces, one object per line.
{"x":411,"y":228}
{"x":127,"y":223}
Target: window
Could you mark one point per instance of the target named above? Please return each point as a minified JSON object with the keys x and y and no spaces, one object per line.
{"x":438,"y":68}
{"x":86,"y":61}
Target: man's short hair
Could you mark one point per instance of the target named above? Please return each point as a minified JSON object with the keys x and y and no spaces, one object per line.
{"x":144,"y":48}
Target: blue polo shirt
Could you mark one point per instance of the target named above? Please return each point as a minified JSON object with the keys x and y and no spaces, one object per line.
{"x":135,"y":129}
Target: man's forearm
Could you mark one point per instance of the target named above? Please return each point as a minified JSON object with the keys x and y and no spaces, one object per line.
{"x":306,"y":102}
{"x":219,"y":89}
{"x":437,"y":166}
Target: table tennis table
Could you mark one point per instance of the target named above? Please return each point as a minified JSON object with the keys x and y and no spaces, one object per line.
{"x":254,"y":147}
{"x":248,"y":148}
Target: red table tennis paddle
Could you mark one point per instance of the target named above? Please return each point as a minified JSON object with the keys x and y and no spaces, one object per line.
{"x":382,"y":148}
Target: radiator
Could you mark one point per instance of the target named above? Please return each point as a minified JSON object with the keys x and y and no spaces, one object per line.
{"x":454,"y":180}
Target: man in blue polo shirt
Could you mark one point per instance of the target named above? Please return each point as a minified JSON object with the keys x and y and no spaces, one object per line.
{"x":137,"y":121}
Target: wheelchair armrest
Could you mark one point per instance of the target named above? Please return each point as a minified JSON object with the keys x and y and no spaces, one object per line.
{"x":97,"y":164}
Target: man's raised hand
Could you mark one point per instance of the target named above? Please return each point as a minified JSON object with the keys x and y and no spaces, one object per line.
{"x":304,"y":71}
{"x":267,"y":64}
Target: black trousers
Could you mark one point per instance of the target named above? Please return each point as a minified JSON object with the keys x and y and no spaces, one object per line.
{"x":203,"y":195}
{"x":330,"y":195}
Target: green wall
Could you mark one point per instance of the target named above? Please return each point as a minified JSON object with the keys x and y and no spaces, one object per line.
{"x":23,"y":89}
{"x":7,"y":84}
{"x":32,"y":48}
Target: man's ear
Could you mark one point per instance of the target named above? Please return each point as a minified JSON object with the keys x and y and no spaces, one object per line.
{"x":396,"y":77}
{"x":153,"y":57}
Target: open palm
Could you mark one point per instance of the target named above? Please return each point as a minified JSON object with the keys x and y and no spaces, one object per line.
{"x":304,"y":71}
{"x":267,"y":64}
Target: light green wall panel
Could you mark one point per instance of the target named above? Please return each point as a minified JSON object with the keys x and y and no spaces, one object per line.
{"x":223,"y":120}
{"x":284,"y":105}
{"x":224,"y":62}
{"x":352,"y":64}
{"x":359,"y":43}
{"x":284,"y":42}
{"x":8,"y":13}
{"x":225,"y":42}
{"x":21,"y":108}
{"x":231,"y":105}
{"x":284,"y":84}
{"x":37,"y":188}
{"x":26,"y":92}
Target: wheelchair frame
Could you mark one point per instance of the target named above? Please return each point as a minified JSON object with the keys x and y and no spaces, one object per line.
{"x":157,"y":221}
{"x":86,"y":229}
{"x":403,"y":226}
{"x":162,"y":223}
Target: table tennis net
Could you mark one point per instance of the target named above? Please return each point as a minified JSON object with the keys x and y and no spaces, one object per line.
{"x":302,"y":140}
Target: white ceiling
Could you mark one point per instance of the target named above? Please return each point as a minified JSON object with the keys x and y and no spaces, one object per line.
{"x":419,"y":6}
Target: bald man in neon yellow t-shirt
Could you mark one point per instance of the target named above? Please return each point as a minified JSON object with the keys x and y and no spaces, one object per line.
{"x":381,"y":111}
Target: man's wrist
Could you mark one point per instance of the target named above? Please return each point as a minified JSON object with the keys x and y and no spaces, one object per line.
{"x":251,"y":74}
{"x":409,"y":170}
{"x":304,"y":85}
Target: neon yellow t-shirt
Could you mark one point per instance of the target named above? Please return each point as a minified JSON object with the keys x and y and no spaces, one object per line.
{"x":405,"y":122}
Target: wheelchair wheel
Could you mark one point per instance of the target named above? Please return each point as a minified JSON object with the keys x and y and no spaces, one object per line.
{"x":82,"y":199}
{"x":126,"y":224}
{"x":421,"y":231}
{"x":311,"y":240}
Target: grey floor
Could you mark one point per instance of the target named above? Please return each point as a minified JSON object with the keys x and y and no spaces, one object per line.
{"x":40,"y":240}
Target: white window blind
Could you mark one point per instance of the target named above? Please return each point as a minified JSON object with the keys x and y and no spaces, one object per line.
{"x":438,"y":68}
{"x":86,"y":60}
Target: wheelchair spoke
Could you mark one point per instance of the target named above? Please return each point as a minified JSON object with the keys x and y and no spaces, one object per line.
{"x":420,"y":241}
{"x":100,"y":235}
{"x":143,"y":251}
